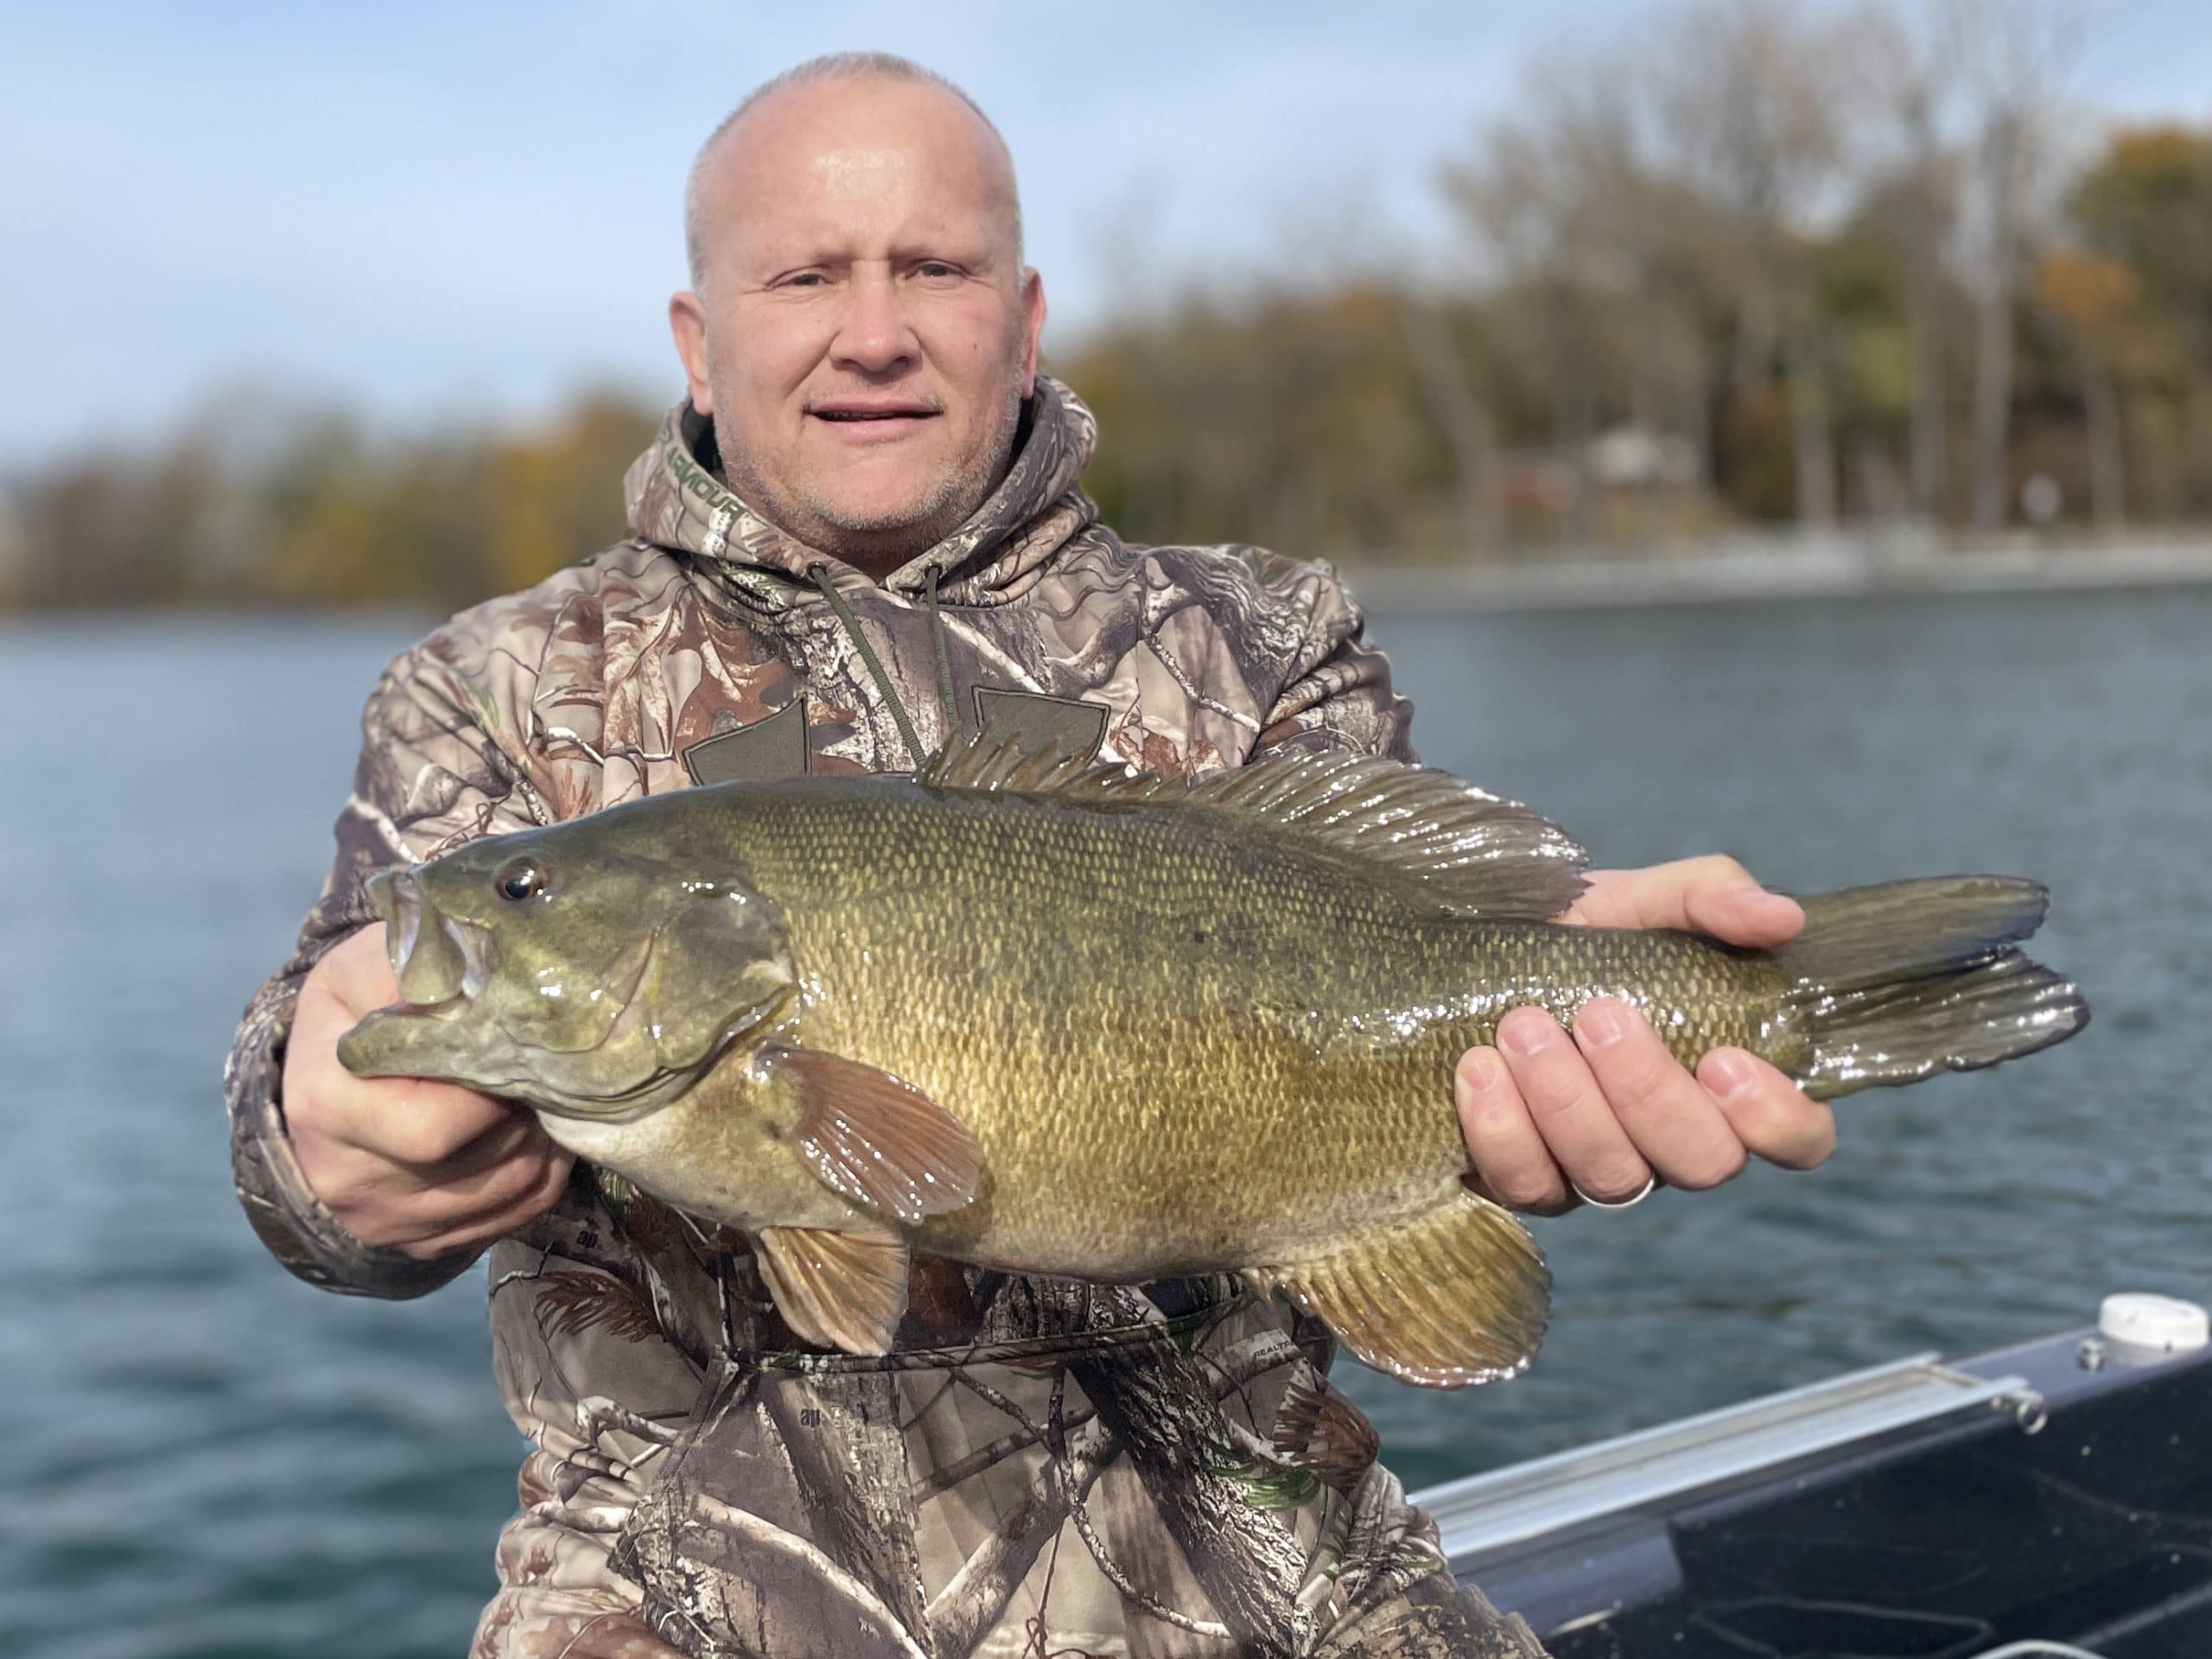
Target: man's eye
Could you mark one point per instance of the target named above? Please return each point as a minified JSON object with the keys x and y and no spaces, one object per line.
{"x":935,"y":268}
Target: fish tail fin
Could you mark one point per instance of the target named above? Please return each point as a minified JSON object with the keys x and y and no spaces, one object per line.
{"x":1898,"y":981}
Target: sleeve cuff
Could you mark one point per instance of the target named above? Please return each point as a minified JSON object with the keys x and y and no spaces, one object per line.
{"x":285,"y":1214}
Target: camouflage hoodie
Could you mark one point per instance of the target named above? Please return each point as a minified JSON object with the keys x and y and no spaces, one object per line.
{"x":1042,"y":1466}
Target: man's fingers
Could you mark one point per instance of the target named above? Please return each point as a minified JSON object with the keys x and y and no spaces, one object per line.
{"x":1671,"y":1119}
{"x":439,"y":1140}
{"x":1609,"y":1107}
{"x":1568,"y":1107}
{"x":412,"y":1122}
{"x":550,"y":1178}
{"x":518,"y":1131}
{"x":1714,"y":895}
{"x":504,"y":1147}
{"x":431,"y":1220}
{"x":1511,"y":1161}
{"x":1733,"y":907}
{"x":1774,"y":1118}
{"x":355,"y":973}
{"x":469,"y":1198}
{"x":380,"y":1201}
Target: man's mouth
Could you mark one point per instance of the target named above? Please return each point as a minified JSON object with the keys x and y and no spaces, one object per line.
{"x":879,"y":416}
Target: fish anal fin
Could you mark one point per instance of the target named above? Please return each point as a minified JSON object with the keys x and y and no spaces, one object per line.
{"x":882,"y":1143}
{"x":1450,"y":846}
{"x":839,"y":1290}
{"x":1455,"y":1296}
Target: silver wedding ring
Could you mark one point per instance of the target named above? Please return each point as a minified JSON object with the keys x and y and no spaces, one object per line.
{"x":1634,"y":1198}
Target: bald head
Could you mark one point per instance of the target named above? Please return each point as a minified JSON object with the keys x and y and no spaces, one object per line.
{"x":859,"y":327}
{"x":824,"y":90}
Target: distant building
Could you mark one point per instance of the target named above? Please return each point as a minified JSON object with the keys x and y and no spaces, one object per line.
{"x":1623,"y":459}
{"x":1631,"y":457}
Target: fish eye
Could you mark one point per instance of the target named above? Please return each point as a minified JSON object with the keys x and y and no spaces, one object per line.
{"x":520,"y":879}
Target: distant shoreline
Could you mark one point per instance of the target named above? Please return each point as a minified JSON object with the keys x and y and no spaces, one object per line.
{"x":1743,"y":572}
{"x":1832,"y":569}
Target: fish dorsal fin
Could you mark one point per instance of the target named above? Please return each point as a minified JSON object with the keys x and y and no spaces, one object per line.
{"x":1466,"y":851}
{"x":983,"y":766}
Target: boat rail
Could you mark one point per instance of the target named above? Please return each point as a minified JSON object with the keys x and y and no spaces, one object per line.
{"x":1547,"y":1496}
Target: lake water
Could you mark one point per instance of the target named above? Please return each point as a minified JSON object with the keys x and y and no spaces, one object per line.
{"x":212,"y":1459}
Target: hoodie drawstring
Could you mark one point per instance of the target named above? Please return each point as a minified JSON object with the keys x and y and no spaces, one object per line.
{"x":944,"y":692}
{"x":885,"y":688}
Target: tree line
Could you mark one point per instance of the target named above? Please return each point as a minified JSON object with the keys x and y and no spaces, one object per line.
{"x":1753,"y":265}
{"x":1750,"y":263}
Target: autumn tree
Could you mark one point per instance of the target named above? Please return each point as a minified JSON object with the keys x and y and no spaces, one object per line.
{"x":2147,"y":206}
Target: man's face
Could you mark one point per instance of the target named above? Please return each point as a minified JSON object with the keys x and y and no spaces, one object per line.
{"x":866,"y":333}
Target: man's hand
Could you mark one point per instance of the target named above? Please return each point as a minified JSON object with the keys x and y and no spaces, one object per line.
{"x":1608,"y":1106}
{"x":425,"y":1167}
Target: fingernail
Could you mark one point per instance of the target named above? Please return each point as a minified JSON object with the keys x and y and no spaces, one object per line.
{"x":1601,"y":1024}
{"x":1729,"y":1074}
{"x":1526,"y":1036}
{"x":1482,"y":1068}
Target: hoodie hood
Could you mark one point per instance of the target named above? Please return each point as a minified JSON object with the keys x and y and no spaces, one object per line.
{"x":678,"y":501}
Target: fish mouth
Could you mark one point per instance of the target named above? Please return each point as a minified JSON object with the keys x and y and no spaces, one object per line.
{"x":435,"y":958}
{"x":441,"y":964}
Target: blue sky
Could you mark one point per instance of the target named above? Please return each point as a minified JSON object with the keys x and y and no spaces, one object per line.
{"x":451,"y":211}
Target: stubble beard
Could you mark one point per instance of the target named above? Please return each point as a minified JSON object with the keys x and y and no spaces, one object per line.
{"x":901,"y":532}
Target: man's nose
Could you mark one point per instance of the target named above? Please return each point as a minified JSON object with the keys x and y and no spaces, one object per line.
{"x":873,"y":336}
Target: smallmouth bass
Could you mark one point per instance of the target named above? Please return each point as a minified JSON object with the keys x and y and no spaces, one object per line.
{"x":1056,"y":1018}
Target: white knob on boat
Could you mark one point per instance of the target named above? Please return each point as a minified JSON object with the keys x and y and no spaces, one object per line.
{"x":2153,"y":1324}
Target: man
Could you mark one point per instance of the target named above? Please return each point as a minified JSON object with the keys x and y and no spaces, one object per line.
{"x":862,"y":532}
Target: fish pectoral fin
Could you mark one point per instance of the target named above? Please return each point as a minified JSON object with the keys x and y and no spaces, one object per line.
{"x":882,"y":1143}
{"x":841,"y":1290}
{"x":1454,"y":1296}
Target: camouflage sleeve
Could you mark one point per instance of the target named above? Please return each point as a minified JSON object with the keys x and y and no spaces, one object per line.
{"x":1339,"y":694}
{"x":432,"y":772}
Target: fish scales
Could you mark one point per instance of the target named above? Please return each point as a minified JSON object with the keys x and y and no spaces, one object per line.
{"x":1168,"y":1038}
{"x":1067,"y":1020}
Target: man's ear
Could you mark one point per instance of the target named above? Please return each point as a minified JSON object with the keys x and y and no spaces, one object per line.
{"x":1032,"y":311}
{"x":687,"y":321}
